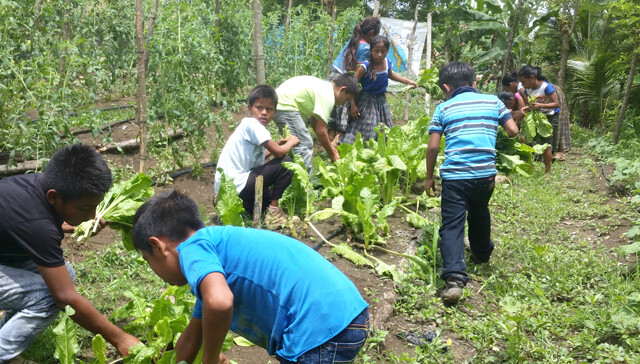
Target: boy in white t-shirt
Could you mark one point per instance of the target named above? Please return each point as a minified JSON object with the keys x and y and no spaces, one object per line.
{"x":243,"y":156}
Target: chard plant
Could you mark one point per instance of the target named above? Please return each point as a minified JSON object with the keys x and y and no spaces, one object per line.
{"x":229,"y":204}
{"x":535,"y":123}
{"x":118,"y":207}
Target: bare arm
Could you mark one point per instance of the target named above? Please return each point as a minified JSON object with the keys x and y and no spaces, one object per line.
{"x":320,"y":128}
{"x":396,"y":77}
{"x":217,"y":310}
{"x":432,"y":155}
{"x":552,"y":104}
{"x":190,"y":341}
{"x":511,"y":128}
{"x":282,"y":147}
{"x":64,"y":293}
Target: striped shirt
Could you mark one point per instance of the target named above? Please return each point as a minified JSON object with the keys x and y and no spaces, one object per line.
{"x":469,"y":122}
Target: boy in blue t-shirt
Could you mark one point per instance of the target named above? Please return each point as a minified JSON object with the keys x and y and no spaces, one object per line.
{"x":469,"y":122}
{"x":269,"y":288}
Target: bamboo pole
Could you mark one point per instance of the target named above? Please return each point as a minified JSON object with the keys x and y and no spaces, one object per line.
{"x":410,"y":45}
{"x":257,"y":203}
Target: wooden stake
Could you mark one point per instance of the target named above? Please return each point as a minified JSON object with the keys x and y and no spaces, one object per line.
{"x":257,"y":203}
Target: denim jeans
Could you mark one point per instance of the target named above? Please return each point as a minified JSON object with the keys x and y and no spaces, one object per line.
{"x":342,"y":348}
{"x":467,"y":198}
{"x":298,"y":127}
{"x":28,"y":305}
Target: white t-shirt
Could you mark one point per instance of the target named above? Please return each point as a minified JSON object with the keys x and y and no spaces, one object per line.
{"x":242,"y":152}
{"x":545,"y":89}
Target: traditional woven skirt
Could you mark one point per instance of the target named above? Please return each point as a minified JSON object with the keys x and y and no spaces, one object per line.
{"x":562,"y":141}
{"x":374,"y":110}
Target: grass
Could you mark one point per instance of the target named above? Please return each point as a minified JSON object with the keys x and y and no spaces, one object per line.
{"x":547,"y":296}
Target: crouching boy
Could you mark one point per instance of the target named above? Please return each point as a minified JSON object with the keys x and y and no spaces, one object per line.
{"x":243,"y":156}
{"x":271,"y":289}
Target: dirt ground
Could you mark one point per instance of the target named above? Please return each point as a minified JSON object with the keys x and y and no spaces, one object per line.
{"x":402,"y":239}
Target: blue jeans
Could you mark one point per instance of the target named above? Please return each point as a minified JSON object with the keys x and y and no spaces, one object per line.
{"x":342,"y":348}
{"x":28,"y":305}
{"x":297,"y":127}
{"x":466,"y":198}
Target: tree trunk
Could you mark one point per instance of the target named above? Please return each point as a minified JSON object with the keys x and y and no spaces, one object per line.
{"x":627,"y":91}
{"x":330,"y":52}
{"x":287,"y":15}
{"x":506,"y":61}
{"x":376,"y":8}
{"x":217,"y":12}
{"x":65,"y":38}
{"x":142,"y":47}
{"x":37,"y":10}
{"x":257,"y":42}
{"x":410,"y":46}
{"x":565,"y":48}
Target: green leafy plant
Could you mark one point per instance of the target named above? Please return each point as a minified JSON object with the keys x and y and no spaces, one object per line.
{"x":535,"y":123}
{"x":118,"y":208}
{"x":229,"y":204}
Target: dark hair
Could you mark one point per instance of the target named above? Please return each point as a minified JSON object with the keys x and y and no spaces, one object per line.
{"x":170,"y":214}
{"x":528,"y":71}
{"x":350,"y":53}
{"x":263,"y":92}
{"x":75,"y":171}
{"x":508,"y":78}
{"x":456,"y":74}
{"x":377,"y":39}
{"x":505,"y":97}
{"x":348,"y":80}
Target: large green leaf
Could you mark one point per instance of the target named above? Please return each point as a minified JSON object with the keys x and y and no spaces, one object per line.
{"x":229,"y":204}
{"x":66,"y":337}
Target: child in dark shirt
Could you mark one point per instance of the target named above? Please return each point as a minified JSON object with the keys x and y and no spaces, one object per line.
{"x":35,"y":281}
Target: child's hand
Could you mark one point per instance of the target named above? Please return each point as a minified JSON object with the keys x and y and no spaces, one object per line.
{"x":282,"y":141}
{"x":413,"y":83}
{"x":430,"y":187}
{"x":536,"y":106}
{"x":525,"y":109}
{"x":354,"y":112}
{"x":294,"y":139}
{"x":223,"y":359}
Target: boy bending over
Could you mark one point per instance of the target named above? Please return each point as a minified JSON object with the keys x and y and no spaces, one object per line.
{"x":307,"y":96}
{"x":469,"y":122}
{"x":35,"y":280}
{"x":273,"y":290}
{"x":243,"y":156}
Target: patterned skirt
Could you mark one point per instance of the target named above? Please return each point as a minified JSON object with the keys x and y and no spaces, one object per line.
{"x":562,"y":141}
{"x":374,"y":110}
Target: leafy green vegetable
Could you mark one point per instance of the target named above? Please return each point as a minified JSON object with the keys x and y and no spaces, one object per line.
{"x":300,"y":194}
{"x":535,"y":123}
{"x":286,"y":133}
{"x":346,"y":252}
{"x":66,"y":337}
{"x":99,"y":347}
{"x":229,"y":204}
{"x":118,"y":208}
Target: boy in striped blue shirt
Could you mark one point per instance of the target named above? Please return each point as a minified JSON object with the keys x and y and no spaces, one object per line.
{"x":469,"y":122}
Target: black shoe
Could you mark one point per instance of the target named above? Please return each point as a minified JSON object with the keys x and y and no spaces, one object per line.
{"x":452,"y":291}
{"x":473,"y":259}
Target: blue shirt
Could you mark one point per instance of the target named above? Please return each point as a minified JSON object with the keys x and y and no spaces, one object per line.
{"x":379,"y":85}
{"x":287,"y":298}
{"x":469,"y":122}
{"x":362,"y":54}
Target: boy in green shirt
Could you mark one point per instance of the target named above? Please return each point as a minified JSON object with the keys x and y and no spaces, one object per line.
{"x":307,"y":96}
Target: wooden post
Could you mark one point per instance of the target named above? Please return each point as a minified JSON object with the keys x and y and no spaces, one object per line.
{"x":257,"y":42}
{"x":376,"y":8}
{"x":410,"y":46}
{"x":427,"y":65}
{"x":257,"y":203}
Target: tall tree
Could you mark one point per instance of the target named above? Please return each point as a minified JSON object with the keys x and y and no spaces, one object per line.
{"x":567,"y":26}
{"x":627,"y":90}
{"x":142,"y":46}
{"x":410,"y":46}
{"x":257,"y":42}
{"x":331,"y":31}
{"x":515,"y":19}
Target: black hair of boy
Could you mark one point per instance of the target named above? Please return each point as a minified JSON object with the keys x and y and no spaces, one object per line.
{"x":263,"y":92}
{"x":456,"y":74}
{"x":75,"y":171}
{"x":349,"y":81}
{"x":505,"y":97}
{"x":170,"y":214}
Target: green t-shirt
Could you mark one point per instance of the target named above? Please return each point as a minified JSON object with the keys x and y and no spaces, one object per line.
{"x":307,"y":95}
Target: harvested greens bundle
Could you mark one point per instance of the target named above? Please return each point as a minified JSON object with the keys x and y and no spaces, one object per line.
{"x":118,"y":207}
{"x":535,"y":123}
{"x":515,"y":157}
